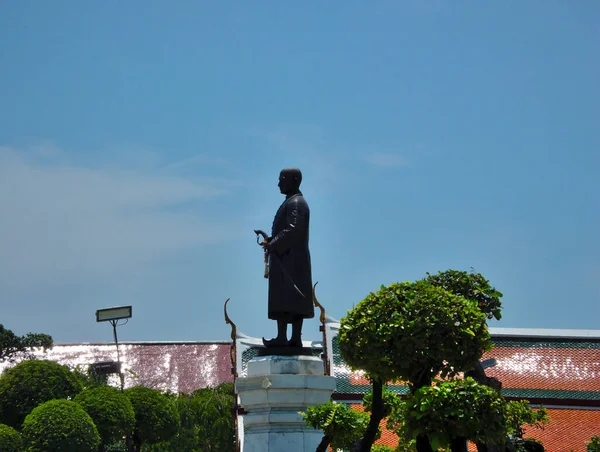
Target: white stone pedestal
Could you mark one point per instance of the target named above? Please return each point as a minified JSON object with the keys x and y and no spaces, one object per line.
{"x":276,"y":389}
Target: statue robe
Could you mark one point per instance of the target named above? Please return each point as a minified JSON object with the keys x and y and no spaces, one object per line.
{"x":290,"y":280}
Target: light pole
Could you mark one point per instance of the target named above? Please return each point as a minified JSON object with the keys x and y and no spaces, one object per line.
{"x":113,"y":315}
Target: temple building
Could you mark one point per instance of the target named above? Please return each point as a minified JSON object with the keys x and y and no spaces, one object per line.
{"x":557,"y":369}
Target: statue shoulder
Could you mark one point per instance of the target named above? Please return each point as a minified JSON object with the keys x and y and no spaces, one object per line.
{"x":298,"y":201}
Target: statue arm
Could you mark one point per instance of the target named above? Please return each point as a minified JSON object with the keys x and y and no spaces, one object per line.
{"x":295,"y":219}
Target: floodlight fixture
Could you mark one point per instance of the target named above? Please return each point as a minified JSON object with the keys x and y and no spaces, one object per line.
{"x":116,"y":313}
{"x":491,"y":362}
{"x":113,"y":315}
{"x":105,"y":368}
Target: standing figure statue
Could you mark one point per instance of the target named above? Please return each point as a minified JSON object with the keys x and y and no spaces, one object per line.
{"x":288,"y":257}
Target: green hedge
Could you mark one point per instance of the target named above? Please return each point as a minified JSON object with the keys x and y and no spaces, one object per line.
{"x":111,"y":411}
{"x":60,"y":425}
{"x":10,"y":439}
{"x":32,"y":383}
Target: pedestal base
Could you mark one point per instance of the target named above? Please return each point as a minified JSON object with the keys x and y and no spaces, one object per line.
{"x":276,"y":389}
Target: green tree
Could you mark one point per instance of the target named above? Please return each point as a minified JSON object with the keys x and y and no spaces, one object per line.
{"x":519,"y":413}
{"x":13,"y":346}
{"x":452,"y":411}
{"x":111,"y":410}
{"x":32,"y":383}
{"x":341,"y":425}
{"x":411,"y":332}
{"x":156,"y":416}
{"x":60,"y":425}
{"x":10,"y":439}
{"x":594,"y":444}
{"x":207,"y":421}
{"x":472,"y":286}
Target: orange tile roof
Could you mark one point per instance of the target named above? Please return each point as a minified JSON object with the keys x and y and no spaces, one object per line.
{"x":569,"y":429}
{"x":547,"y":368}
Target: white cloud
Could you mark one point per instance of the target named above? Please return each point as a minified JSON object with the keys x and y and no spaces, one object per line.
{"x":72,"y":222}
{"x":387,"y":160}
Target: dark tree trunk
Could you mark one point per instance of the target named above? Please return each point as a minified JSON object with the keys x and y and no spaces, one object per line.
{"x":324,"y":444}
{"x":422,"y":440}
{"x":423,"y":444}
{"x":129,"y":446}
{"x":355,"y":446}
{"x":482,"y":447}
{"x":458,"y":445}
{"x":376,"y":417}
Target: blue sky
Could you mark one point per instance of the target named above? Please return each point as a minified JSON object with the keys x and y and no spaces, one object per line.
{"x":141,"y":141}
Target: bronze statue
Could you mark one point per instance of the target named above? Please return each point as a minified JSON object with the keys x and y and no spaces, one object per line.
{"x":288,"y":263}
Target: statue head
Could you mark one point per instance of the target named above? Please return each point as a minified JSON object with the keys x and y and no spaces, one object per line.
{"x":289,"y":180}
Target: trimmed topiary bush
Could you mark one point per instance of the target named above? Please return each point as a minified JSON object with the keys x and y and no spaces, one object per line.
{"x":10,"y":439}
{"x":456,"y":409}
{"x":472,"y":286}
{"x":32,"y":383}
{"x":111,"y":411}
{"x":60,"y":425}
{"x":413,"y":332}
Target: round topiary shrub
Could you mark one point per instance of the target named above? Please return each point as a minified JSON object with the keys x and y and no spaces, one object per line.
{"x":413,"y":332}
{"x":60,"y":425}
{"x":456,"y":409}
{"x":111,"y":411}
{"x":32,"y":383}
{"x":10,"y":439}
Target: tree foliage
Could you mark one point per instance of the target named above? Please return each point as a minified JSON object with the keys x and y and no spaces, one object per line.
{"x":472,"y":286}
{"x":416,"y":332}
{"x":207,"y":421}
{"x":381,"y":448}
{"x":519,"y":413}
{"x":10,"y":439}
{"x":13,"y":346}
{"x":341,"y":425}
{"x":60,"y":425}
{"x":456,"y":409}
{"x":156,"y":416}
{"x":111,"y":411}
{"x":211,"y":416}
{"x":392,"y":402}
{"x":412,"y":332}
{"x":594,"y":444}
{"x":32,"y":383}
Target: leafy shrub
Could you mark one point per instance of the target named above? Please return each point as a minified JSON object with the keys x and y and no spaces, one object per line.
{"x":392,"y":402}
{"x":341,"y":424}
{"x":207,"y":421}
{"x":156,"y":416}
{"x":60,"y":425}
{"x":110,"y":409}
{"x":456,"y":409}
{"x":381,"y":448}
{"x":594,"y":444}
{"x":32,"y":383}
{"x":10,"y":439}
{"x":412,"y":332}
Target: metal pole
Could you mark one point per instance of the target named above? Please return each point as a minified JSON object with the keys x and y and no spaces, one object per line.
{"x":121,"y":377}
{"x":114,"y":324}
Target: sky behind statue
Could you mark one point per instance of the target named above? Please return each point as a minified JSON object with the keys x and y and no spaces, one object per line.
{"x":140,"y":145}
